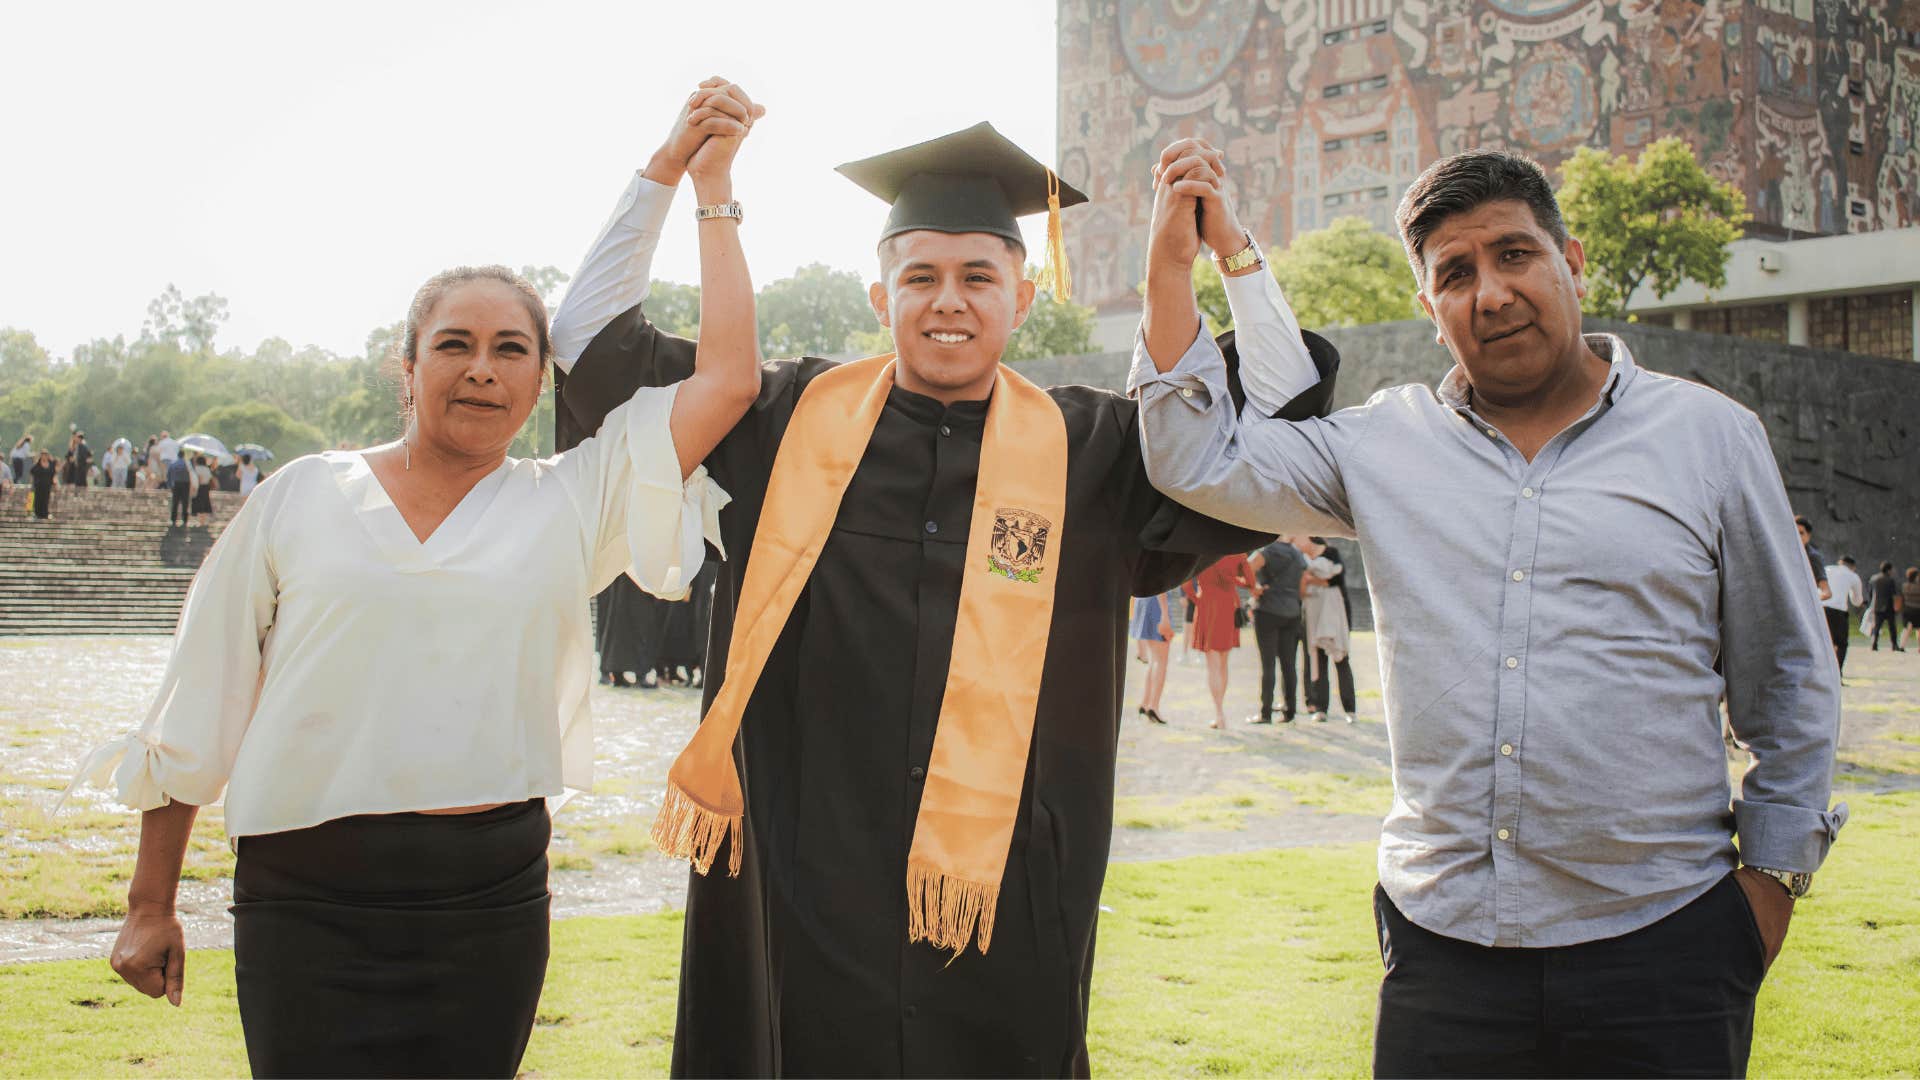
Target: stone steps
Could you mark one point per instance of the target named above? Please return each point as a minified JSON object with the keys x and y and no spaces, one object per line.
{"x":106,"y":562}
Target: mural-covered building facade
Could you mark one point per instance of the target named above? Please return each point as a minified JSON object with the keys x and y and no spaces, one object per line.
{"x":1329,"y":108}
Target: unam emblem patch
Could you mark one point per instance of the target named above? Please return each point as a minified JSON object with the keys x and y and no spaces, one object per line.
{"x":1019,"y":545}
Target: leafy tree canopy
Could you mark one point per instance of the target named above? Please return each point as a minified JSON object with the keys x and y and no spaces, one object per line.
{"x":1347,"y":274}
{"x":1656,"y":222}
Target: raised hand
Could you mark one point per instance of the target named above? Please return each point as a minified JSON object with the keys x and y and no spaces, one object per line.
{"x":717,"y":107}
{"x":1173,"y":239}
{"x":726,"y":114}
{"x":1200,"y":163}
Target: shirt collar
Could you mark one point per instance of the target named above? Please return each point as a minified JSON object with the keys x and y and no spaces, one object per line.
{"x":1456,"y":393}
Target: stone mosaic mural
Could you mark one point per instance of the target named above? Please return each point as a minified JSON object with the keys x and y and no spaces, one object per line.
{"x":1330,"y":108}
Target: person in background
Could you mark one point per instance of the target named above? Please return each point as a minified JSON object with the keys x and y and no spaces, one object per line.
{"x":82,"y":460}
{"x":168,"y":446}
{"x":1910,"y":606}
{"x":1844,"y":590}
{"x":1329,"y":618}
{"x":1278,"y":626}
{"x":21,"y":459}
{"x":1884,"y":602}
{"x":156,"y":466}
{"x":1216,"y":622}
{"x":202,"y":502}
{"x":249,"y":475}
{"x":120,"y":464}
{"x":179,"y":480}
{"x":1816,"y":562}
{"x":1152,"y":628}
{"x":42,"y":474}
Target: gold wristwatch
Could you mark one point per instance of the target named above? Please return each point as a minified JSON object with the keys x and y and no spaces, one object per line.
{"x":1796,"y":884}
{"x":1240,"y":260}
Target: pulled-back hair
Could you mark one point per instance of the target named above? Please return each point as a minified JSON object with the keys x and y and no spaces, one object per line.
{"x":1466,"y":182}
{"x":436,"y":289}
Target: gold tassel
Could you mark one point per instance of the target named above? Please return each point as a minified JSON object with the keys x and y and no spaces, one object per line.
{"x":945,"y":911}
{"x":1055,"y":277}
{"x":687,"y":831}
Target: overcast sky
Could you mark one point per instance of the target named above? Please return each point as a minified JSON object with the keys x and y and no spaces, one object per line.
{"x":314,"y":165}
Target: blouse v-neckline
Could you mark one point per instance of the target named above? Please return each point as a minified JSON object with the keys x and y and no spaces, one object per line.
{"x":388,"y":526}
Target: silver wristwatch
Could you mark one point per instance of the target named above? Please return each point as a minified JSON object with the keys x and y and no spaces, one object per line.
{"x":719,"y":210}
{"x":1796,"y":884}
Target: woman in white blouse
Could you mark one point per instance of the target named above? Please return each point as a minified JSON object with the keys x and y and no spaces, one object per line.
{"x":385,"y":664}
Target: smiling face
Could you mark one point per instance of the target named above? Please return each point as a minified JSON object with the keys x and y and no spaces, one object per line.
{"x":1505,"y":297}
{"x":952,"y":300}
{"x":477,"y":370}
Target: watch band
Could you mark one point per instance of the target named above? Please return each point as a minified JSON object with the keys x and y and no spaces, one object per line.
{"x":1240,"y":260}
{"x":719,"y":210}
{"x":1795,"y":883}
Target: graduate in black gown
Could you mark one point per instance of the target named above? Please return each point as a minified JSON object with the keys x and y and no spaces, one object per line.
{"x":803,"y":963}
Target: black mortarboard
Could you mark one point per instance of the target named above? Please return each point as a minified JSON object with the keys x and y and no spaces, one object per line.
{"x":974,"y":180}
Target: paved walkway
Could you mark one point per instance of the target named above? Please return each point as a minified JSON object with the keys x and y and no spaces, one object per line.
{"x":1183,"y":789}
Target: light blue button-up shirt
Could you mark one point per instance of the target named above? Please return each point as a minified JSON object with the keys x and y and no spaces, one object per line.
{"x":1548,"y":630}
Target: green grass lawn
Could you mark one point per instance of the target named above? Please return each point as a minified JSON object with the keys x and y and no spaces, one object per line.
{"x":1252,"y":964}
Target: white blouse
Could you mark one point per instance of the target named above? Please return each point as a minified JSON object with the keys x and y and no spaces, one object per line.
{"x":328,"y":663}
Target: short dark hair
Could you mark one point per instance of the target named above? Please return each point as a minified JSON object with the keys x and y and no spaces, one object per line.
{"x":1465,"y":182}
{"x":1886,"y":568}
{"x":1800,"y":520}
{"x":1846,"y":560}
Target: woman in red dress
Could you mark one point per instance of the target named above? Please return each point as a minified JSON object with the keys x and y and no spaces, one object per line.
{"x":1214,"y":631}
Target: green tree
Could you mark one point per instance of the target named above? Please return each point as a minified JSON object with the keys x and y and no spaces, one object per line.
{"x":1347,"y":274}
{"x":22,"y":360}
{"x":173,"y":319}
{"x":674,"y":307}
{"x":258,"y":422}
{"x":1053,"y":328}
{"x":815,"y":312}
{"x":1658,"y":221}
{"x":545,"y":279}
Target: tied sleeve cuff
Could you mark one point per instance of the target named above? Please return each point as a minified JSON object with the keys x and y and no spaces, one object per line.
{"x":130,"y":764}
{"x":1198,"y":379}
{"x":1780,"y":836}
{"x":664,"y":559}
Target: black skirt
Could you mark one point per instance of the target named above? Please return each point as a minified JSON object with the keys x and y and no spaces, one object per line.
{"x":393,"y":944}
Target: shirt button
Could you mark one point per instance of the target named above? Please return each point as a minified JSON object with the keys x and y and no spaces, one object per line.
{"x":1492,"y":434}
{"x":1513,"y":661}
{"x":945,"y":430}
{"x":1186,"y":391}
{"x":917,"y":773}
{"x":1502,"y":834}
{"x":932,"y":527}
{"x":1526,"y":493}
{"x":1519,"y":575}
{"x":1506,"y":749}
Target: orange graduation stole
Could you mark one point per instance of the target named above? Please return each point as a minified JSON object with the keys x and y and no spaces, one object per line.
{"x":972,"y":793}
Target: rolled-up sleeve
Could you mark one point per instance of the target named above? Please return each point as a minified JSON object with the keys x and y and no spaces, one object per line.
{"x":187,"y":745}
{"x":1276,"y":476}
{"x":1783,"y":693}
{"x":637,"y":515}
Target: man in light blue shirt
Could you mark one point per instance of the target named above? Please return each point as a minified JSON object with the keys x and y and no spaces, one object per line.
{"x":1570,"y":558}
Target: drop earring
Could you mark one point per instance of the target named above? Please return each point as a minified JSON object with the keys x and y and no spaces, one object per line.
{"x":406,"y":442}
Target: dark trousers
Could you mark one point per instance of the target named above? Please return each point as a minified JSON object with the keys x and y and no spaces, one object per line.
{"x":1671,"y":999}
{"x":181,"y":505}
{"x":1890,"y":620}
{"x":1317,"y":686}
{"x":1838,"y":628}
{"x":1279,"y":641}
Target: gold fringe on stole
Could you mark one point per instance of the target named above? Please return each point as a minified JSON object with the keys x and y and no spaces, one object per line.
{"x":946,"y":911}
{"x":686,"y":830}
{"x":1054,"y":276}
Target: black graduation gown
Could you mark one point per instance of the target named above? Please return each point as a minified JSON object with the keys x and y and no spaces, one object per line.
{"x":801,"y":965}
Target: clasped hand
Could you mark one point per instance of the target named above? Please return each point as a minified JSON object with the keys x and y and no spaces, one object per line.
{"x":713,"y":122}
{"x":1191,"y":207}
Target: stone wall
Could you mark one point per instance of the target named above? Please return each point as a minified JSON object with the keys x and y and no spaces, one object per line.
{"x":1845,"y":428}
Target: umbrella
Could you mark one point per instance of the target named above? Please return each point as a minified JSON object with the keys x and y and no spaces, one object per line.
{"x":254,"y":450}
{"x":120,"y":443}
{"x":208,"y":445}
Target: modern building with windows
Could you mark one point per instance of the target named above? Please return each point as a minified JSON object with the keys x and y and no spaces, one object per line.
{"x":1330,"y":108}
{"x":1858,"y":293}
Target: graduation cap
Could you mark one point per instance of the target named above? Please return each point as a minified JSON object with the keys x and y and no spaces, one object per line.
{"x":974,"y":180}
